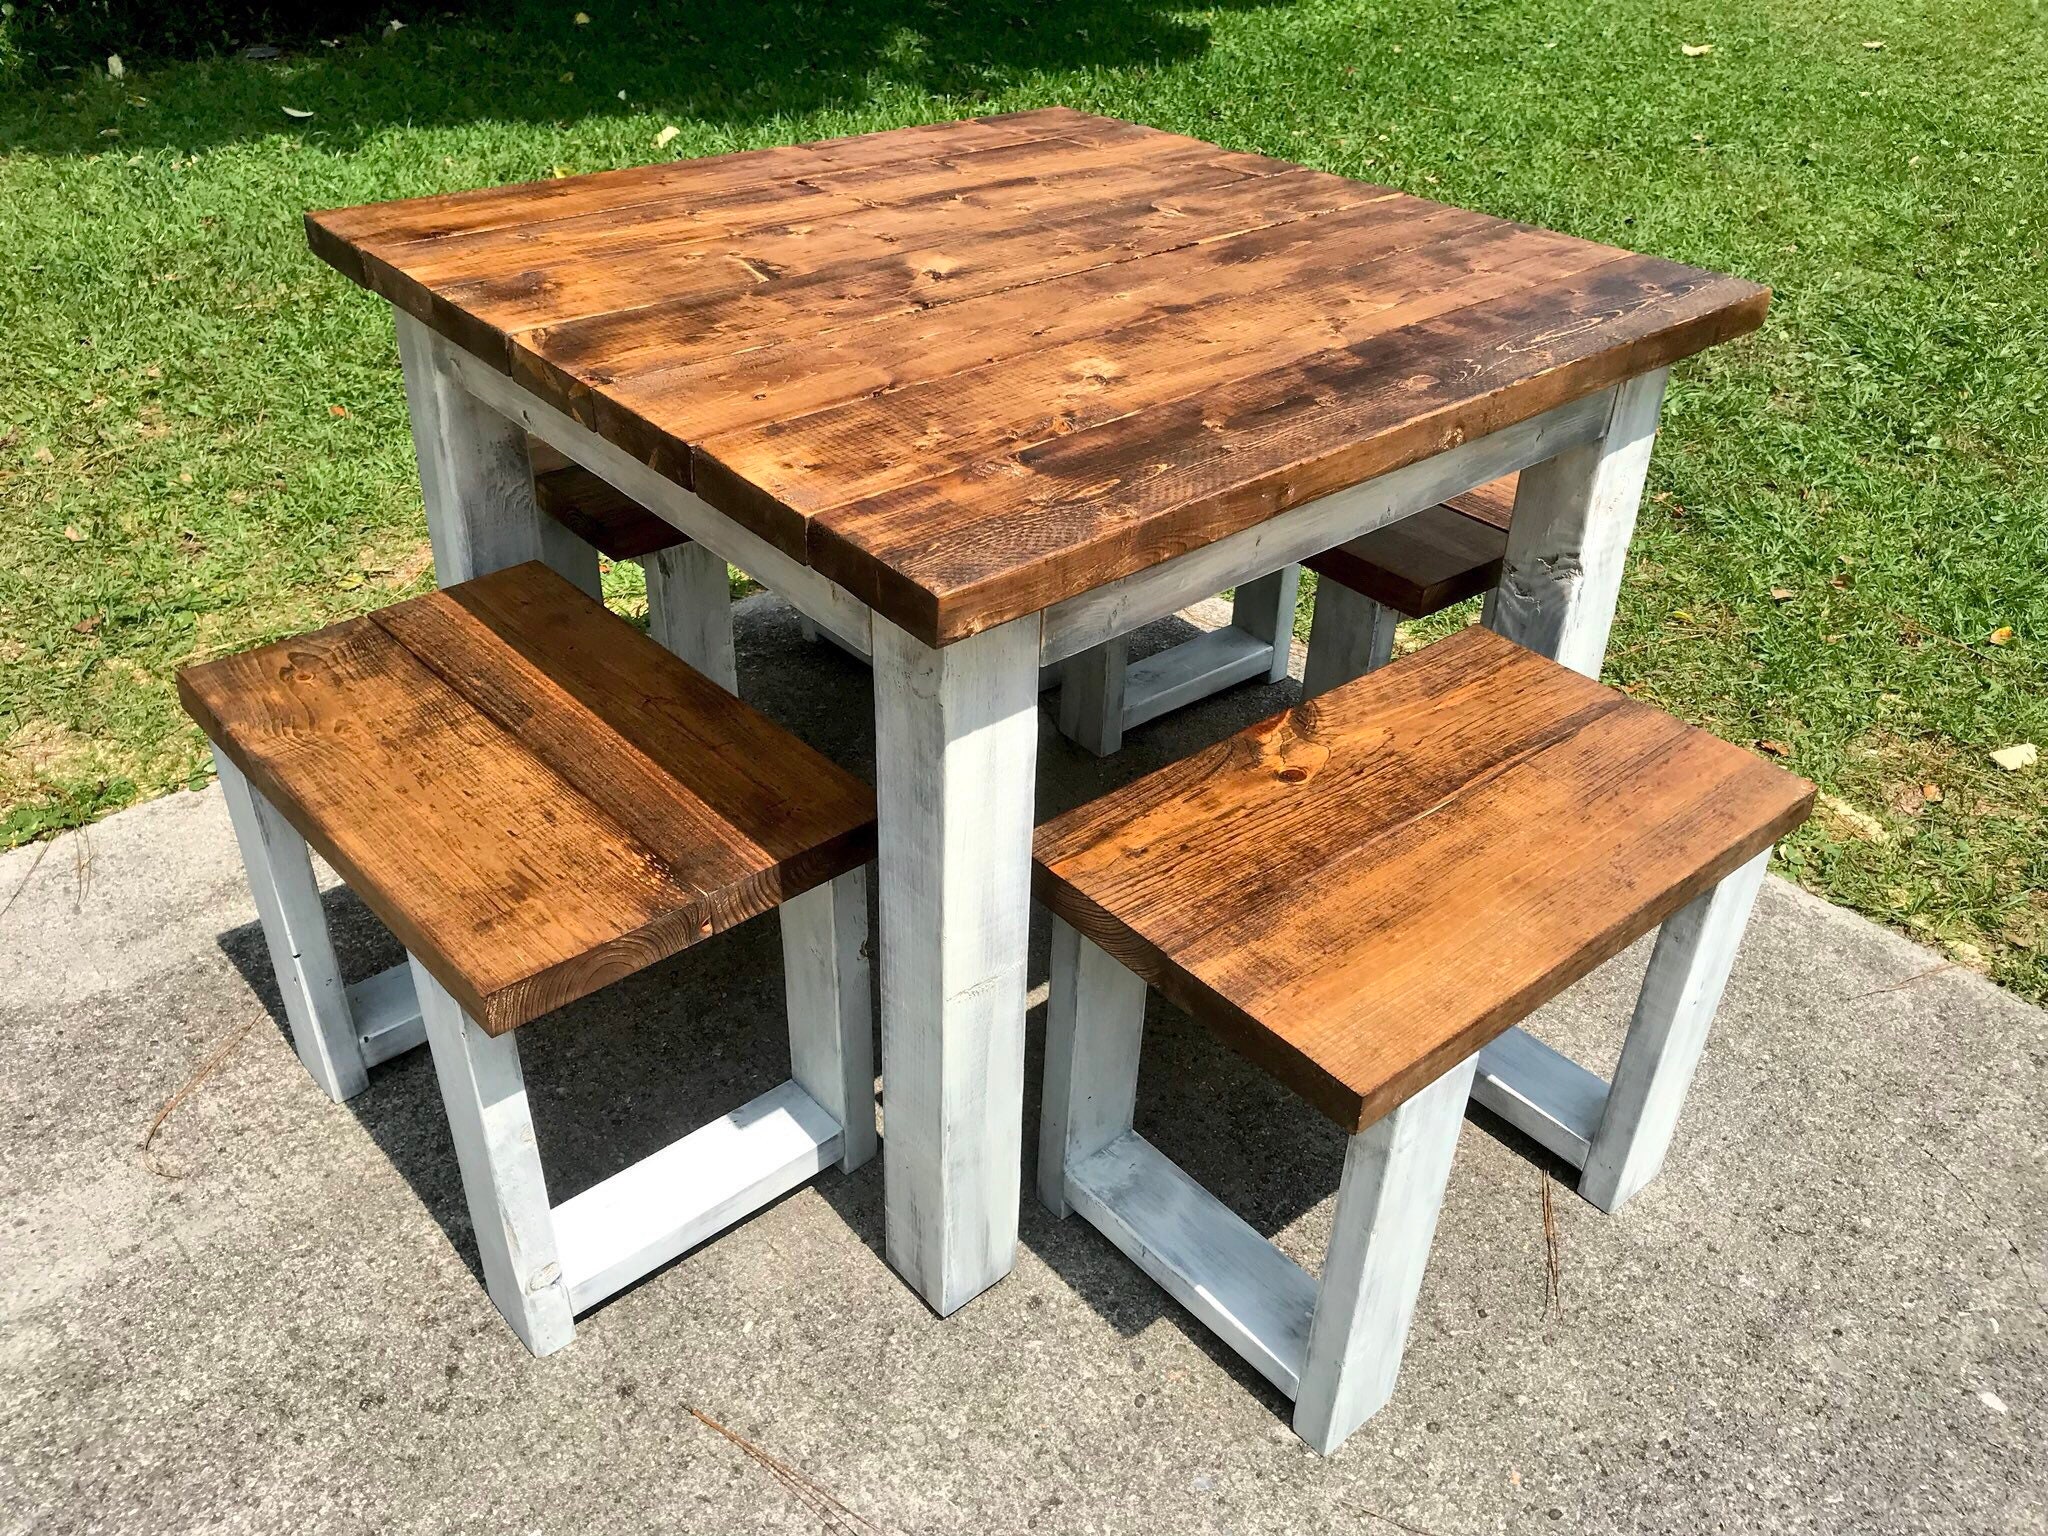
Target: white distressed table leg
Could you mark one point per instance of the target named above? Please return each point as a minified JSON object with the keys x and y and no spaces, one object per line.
{"x":1264,"y":608}
{"x":831,"y":1007}
{"x":485,"y":1095}
{"x":1094,"y":1022}
{"x":294,"y":923}
{"x":1091,"y":712}
{"x":1682,"y":989}
{"x":475,"y":475}
{"x":956,"y":753}
{"x":1568,"y":543}
{"x":1395,"y":1171}
{"x":1348,"y":636}
{"x":689,"y":610}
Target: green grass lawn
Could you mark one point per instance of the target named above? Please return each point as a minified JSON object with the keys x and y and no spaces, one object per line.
{"x":203,"y":443}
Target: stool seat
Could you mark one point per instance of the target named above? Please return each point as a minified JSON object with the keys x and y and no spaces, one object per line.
{"x":596,"y":511}
{"x":534,"y":797}
{"x":1425,"y":563}
{"x":1362,"y":892}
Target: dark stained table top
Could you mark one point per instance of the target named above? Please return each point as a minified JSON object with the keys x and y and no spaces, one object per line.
{"x":970,"y":369}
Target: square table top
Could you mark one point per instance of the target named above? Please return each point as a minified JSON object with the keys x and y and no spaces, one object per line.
{"x":970,"y":369}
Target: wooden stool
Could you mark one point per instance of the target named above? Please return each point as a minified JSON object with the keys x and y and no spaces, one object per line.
{"x":540,"y":801}
{"x":1362,"y":896}
{"x":1406,"y":570}
{"x":689,"y":594}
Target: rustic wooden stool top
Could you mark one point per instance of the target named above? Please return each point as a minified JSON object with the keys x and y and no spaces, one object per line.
{"x":971,"y":369}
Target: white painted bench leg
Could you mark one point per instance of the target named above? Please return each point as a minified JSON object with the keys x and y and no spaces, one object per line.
{"x":476,"y":476}
{"x":485,"y":1095}
{"x":1264,"y":609}
{"x":1348,"y":636}
{"x":956,"y":753}
{"x":1688,"y":969}
{"x":831,"y":1009}
{"x":1568,"y":543}
{"x":1094,"y":1022}
{"x":1091,"y":713}
{"x":689,"y":610}
{"x":294,"y":923}
{"x":1395,"y":1171}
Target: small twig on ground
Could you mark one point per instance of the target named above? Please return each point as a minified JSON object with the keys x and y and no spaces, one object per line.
{"x":1900,"y":986}
{"x":820,"y":1503}
{"x":1399,"y":1525}
{"x":81,"y":870}
{"x":1990,"y":1226}
{"x":1553,"y":1263}
{"x":34,"y":864}
{"x":206,"y":1068}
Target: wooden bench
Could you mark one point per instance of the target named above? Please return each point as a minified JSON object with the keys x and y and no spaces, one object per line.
{"x":1418,"y":566}
{"x":539,"y":801}
{"x":1364,"y":896}
{"x":689,"y":592}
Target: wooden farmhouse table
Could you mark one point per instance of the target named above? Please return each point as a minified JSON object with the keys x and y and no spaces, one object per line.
{"x":978,"y":396}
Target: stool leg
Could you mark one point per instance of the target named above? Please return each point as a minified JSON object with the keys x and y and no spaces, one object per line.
{"x":485,"y":1095}
{"x":1395,"y":1171}
{"x":831,"y":1009}
{"x":569,"y":557}
{"x":1688,"y":970}
{"x":1349,"y":636}
{"x":689,"y":610}
{"x":1094,"y":1019}
{"x":287,"y":896}
{"x":1092,"y":698}
{"x":1264,"y":608}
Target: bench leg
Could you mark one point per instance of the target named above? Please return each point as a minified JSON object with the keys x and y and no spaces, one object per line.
{"x":831,"y":1008}
{"x":1681,"y":991}
{"x":1395,"y":1171}
{"x":1094,"y":1021}
{"x":1349,"y":636}
{"x":1091,"y":713}
{"x":1264,"y":609}
{"x":485,"y":1095}
{"x":294,"y":923}
{"x":689,"y":610}
{"x":1568,"y":542}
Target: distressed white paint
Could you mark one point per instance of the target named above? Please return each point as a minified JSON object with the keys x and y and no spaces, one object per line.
{"x":1094,"y":1021}
{"x":1395,"y":1171}
{"x":1264,"y":609}
{"x":1688,"y":970}
{"x":956,"y":752}
{"x":691,"y":1190}
{"x":1255,"y":1298}
{"x":831,"y":1006}
{"x":1348,"y":636}
{"x":1091,"y":705}
{"x":811,"y":594}
{"x":689,"y":609}
{"x":287,"y":896}
{"x":485,"y":1095}
{"x":386,"y":1011}
{"x":1575,"y":513}
{"x":1121,"y":606}
{"x":1542,"y":1093}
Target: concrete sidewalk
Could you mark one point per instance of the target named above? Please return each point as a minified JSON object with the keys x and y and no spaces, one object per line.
{"x":1828,"y":1315}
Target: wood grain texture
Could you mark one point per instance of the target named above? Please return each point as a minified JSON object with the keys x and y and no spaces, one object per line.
{"x":1363,"y":891}
{"x":969,"y":370}
{"x":535,"y":798}
{"x":1425,"y":563}
{"x":598,"y":513}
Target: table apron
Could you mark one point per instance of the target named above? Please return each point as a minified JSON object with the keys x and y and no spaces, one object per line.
{"x":1088,"y":619}
{"x":823,"y":601}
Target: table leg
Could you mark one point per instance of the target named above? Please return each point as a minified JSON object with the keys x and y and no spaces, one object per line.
{"x":1568,"y":543}
{"x":956,"y":754}
{"x":476,"y":477}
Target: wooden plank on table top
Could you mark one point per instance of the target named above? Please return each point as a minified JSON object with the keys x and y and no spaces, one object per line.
{"x":536,"y":805}
{"x":874,"y":444}
{"x":1425,"y":563}
{"x":336,"y":234}
{"x":1477,"y":847}
{"x":965,"y":550}
{"x":939,"y":247}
